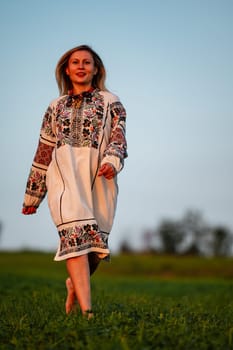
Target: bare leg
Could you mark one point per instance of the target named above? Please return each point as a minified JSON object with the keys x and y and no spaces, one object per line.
{"x":71,"y":297}
{"x":79,"y":272}
{"x":94,"y":261}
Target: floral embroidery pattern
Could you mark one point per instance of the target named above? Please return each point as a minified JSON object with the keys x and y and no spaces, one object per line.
{"x":117,"y":144}
{"x":80,"y":237}
{"x":79,"y":120}
{"x":44,"y":154}
{"x":36,"y":185}
{"x":47,"y":123}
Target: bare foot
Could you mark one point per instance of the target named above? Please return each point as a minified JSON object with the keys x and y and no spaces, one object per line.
{"x":88,"y":314}
{"x":70,"y":299}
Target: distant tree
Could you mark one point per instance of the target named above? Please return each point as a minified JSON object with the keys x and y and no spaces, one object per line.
{"x":171,"y":236}
{"x":222,"y":241}
{"x":192,"y":250}
{"x":197,"y":233}
{"x":207,"y":240}
{"x":125,"y":247}
{"x":189,"y":235}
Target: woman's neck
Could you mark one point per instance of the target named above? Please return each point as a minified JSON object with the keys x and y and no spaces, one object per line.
{"x":79,"y":89}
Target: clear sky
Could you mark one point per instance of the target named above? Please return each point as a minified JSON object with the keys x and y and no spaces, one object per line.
{"x":169,"y":61}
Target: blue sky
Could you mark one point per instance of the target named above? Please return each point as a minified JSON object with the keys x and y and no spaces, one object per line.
{"x":170,"y":62}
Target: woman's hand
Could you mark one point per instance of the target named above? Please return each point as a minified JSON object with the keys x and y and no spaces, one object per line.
{"x":107,"y":170}
{"x":29,"y":210}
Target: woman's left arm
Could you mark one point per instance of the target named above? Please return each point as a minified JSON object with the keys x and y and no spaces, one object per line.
{"x":116,"y":151}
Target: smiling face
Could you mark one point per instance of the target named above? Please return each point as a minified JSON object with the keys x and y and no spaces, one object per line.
{"x":81,"y":70}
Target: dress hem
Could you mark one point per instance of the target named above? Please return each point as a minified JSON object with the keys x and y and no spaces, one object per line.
{"x":103,"y":254}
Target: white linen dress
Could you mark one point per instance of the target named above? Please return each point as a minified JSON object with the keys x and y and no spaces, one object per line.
{"x":79,"y":133}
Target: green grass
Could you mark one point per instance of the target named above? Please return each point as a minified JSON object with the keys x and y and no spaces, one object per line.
{"x":140,"y":302}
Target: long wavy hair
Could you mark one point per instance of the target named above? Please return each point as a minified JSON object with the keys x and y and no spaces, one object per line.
{"x":63,"y":80}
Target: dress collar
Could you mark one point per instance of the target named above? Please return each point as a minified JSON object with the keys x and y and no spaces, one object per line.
{"x":76,"y":100}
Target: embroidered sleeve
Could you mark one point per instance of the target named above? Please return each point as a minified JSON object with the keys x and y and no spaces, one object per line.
{"x":36,"y":183}
{"x":116,"y":150}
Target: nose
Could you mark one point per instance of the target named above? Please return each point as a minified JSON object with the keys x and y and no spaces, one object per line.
{"x":81,"y":65}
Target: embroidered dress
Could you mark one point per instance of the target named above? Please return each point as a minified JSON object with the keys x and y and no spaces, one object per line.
{"x":79,"y":133}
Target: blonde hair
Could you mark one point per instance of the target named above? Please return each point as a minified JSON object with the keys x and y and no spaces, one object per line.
{"x":63,"y":80}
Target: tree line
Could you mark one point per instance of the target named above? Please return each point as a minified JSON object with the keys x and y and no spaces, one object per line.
{"x":189,"y":235}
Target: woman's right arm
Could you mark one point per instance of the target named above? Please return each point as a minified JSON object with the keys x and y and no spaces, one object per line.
{"x":36,"y":183}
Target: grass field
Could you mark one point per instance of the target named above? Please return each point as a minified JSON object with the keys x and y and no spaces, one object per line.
{"x":140,"y":302}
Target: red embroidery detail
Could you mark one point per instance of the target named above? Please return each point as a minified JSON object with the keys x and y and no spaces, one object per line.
{"x":44,"y":154}
{"x":118,"y":136}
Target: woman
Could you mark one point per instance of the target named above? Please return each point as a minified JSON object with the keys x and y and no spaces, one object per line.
{"x":81,"y":150}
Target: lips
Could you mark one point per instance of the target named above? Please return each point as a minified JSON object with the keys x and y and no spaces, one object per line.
{"x":81,"y":74}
